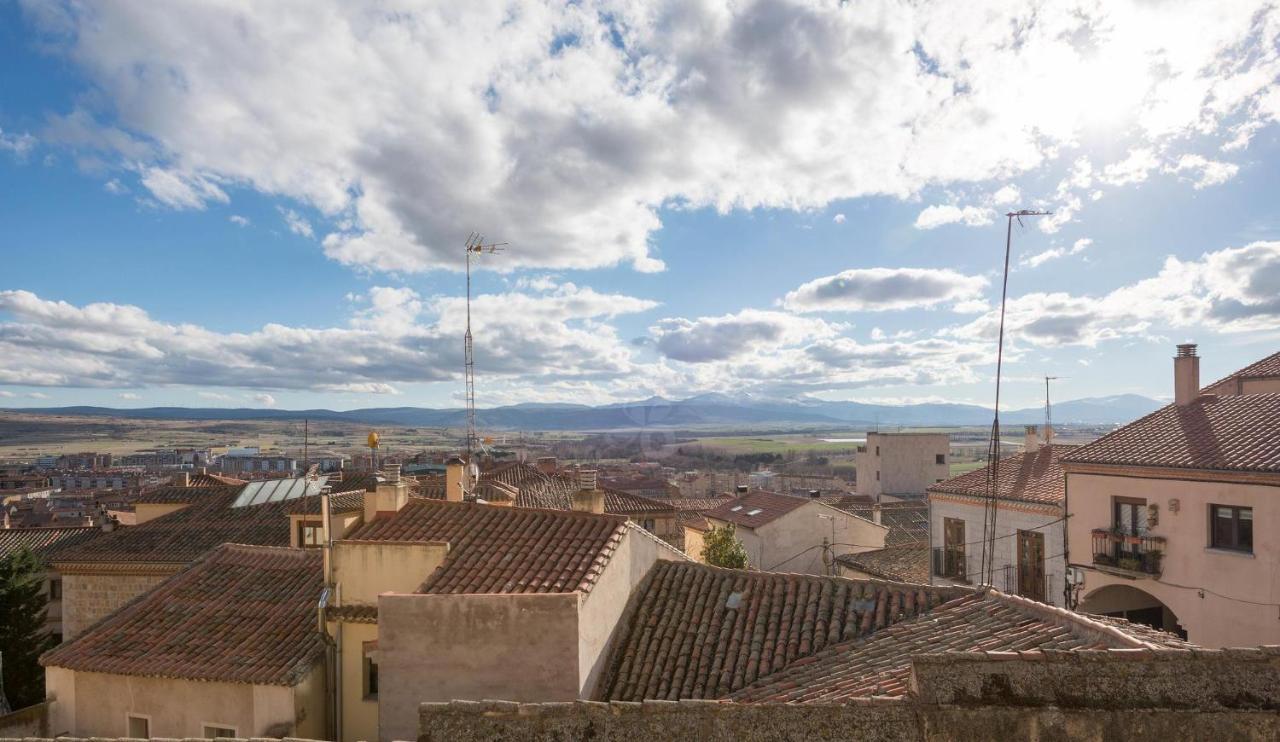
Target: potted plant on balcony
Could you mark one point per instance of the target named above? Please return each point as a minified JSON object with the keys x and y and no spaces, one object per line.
{"x":1130,"y":563}
{"x":1103,"y":557}
{"x":1151,"y":565}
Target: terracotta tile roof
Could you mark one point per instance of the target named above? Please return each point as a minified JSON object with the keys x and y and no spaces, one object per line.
{"x":694,"y":631}
{"x":243,"y":614}
{"x":625,"y":503}
{"x":770,"y":504}
{"x":697,"y":503}
{"x":880,"y":665}
{"x":186,"y":495}
{"x":41,"y":540}
{"x":212,"y":480}
{"x":908,"y":521}
{"x":1266,"y":368}
{"x":346,"y":502}
{"x":693,"y":519}
{"x":906,"y":563}
{"x":1231,"y":433}
{"x":497,"y":549}
{"x":353,"y":482}
{"x":187,"y":534}
{"x":1034,"y":477}
{"x":353,"y":613}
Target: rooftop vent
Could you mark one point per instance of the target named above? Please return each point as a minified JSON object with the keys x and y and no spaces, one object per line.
{"x":1186,"y":349}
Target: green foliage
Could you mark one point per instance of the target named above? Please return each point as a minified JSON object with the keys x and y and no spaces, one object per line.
{"x":22,"y":632}
{"x":721,"y":547}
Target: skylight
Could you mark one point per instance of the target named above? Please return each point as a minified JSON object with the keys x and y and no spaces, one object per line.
{"x":754,"y":511}
{"x":735,"y":508}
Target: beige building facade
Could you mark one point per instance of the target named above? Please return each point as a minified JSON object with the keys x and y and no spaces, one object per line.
{"x":1175,"y":518}
{"x":902,"y":463}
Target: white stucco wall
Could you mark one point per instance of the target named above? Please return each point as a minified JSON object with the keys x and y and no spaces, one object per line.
{"x":906,"y":462}
{"x":792,"y":543}
{"x":1008,"y":522}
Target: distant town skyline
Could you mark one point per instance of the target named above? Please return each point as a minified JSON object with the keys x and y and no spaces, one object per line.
{"x":206,"y":207}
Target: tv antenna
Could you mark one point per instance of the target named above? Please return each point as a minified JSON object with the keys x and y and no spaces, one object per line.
{"x":993,"y":446}
{"x":1048,"y":408}
{"x":476,"y":246}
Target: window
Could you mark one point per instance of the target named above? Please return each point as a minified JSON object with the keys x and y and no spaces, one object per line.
{"x":1031,"y":576}
{"x":55,"y":589}
{"x":940,"y":458}
{"x":370,"y":671}
{"x":877,"y":475}
{"x":213,"y":731}
{"x":735,"y":508}
{"x":649,"y":525}
{"x":1231,"y":527}
{"x":754,"y":511}
{"x":139,"y":727}
{"x":953,"y":562}
{"x":877,"y":450}
{"x":310,"y":534}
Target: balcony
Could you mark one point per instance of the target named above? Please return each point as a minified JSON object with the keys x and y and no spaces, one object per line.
{"x":1127,"y":554}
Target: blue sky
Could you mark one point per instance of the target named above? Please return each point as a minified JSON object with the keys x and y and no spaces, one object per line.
{"x":222,"y":205}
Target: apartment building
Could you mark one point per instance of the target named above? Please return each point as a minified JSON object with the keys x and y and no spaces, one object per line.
{"x":1029,"y":557}
{"x":902,"y":464}
{"x":1175,"y":517}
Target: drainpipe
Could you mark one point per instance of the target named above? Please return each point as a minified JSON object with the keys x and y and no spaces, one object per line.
{"x":1068,"y":590}
{"x":333,"y":679}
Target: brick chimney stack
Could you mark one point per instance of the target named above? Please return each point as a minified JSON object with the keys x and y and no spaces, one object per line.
{"x":455,"y":469}
{"x":1032,"y":442}
{"x":179,"y":479}
{"x":547,"y":465}
{"x":391,"y":494}
{"x":1186,"y":375}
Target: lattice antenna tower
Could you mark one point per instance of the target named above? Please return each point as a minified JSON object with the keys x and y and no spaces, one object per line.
{"x":993,"y":446}
{"x":475,"y":248}
{"x":1048,"y":408}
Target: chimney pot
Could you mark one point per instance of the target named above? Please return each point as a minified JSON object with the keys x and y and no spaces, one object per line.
{"x":587,"y":480}
{"x":1032,"y":443}
{"x":1186,"y":375}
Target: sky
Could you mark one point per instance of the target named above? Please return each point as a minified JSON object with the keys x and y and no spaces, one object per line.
{"x":241,"y":204}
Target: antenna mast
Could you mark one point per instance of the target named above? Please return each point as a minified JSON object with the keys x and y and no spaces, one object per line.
{"x":1048,"y":408}
{"x":475,"y":246}
{"x":993,"y":447}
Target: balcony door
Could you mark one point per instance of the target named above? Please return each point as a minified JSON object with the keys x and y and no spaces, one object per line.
{"x":1129,"y":519}
{"x":1031,"y":580}
{"x":953,"y":548}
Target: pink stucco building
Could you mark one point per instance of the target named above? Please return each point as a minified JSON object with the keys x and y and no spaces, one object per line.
{"x":1174,"y":519}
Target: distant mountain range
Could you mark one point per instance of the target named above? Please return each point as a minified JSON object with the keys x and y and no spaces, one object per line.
{"x":702,"y":410}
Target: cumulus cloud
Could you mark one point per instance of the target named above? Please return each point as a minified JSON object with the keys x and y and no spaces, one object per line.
{"x":838,"y":219}
{"x":264,"y":399}
{"x":1231,"y":290}
{"x":395,"y":336}
{"x":571,"y":126}
{"x":130,"y":396}
{"x":971,"y":216}
{"x":879,"y":289}
{"x":732,"y":335}
{"x":1053,"y":253}
{"x":239,"y":221}
{"x":19,"y":145}
{"x":297,"y":224}
{"x":1006,"y":196}
{"x":7,"y":394}
{"x":1204,"y":172}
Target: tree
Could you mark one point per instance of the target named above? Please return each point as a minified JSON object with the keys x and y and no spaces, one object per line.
{"x":22,"y":630}
{"x":721,"y":547}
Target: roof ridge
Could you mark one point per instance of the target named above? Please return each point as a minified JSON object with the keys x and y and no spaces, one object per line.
{"x":519,"y":509}
{"x":632,"y":526}
{"x":1241,"y":372}
{"x":1076,"y":623}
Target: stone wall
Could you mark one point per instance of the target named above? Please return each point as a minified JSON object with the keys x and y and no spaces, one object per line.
{"x":86,"y":598}
{"x":1223,"y":695}
{"x":32,"y":721}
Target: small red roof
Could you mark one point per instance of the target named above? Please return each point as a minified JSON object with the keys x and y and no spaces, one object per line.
{"x":243,"y":614}
{"x":1029,"y":477}
{"x":1225,"y":433}
{"x":1264,"y":369}
{"x":499,"y":549}
{"x":756,"y":508}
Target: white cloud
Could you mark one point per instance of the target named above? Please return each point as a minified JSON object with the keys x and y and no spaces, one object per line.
{"x":395,"y":336}
{"x":38,"y":395}
{"x":19,"y":145}
{"x":880,"y":289}
{"x":7,"y":394}
{"x":1204,"y":172}
{"x":264,"y":399}
{"x":239,"y":221}
{"x":128,"y":396}
{"x":1006,"y":196}
{"x":732,"y":335}
{"x":115,"y":187}
{"x":1230,"y":290}
{"x":1052,"y":253}
{"x":570,"y":126}
{"x":838,"y":219}
{"x":297,"y":224}
{"x":971,"y":216}
{"x":1134,"y":168}
{"x":214,"y":395}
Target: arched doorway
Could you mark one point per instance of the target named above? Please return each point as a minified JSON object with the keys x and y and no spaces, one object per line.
{"x":1124,"y":601}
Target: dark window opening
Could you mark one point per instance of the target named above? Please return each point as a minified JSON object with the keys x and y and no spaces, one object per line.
{"x":1231,"y":527}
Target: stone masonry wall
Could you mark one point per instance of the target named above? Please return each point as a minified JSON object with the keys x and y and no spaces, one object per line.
{"x":86,"y":598}
{"x":1223,"y":695}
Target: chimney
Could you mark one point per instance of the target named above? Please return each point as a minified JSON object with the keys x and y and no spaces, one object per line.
{"x":588,"y":499}
{"x":547,"y":465}
{"x":180,"y":479}
{"x":391,"y":494}
{"x":876,"y":515}
{"x":1186,"y":375}
{"x":1048,"y":435}
{"x":815,"y":494}
{"x":1032,"y":443}
{"x":454,"y":471}
{"x":742,"y":489}
{"x":108,"y":523}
